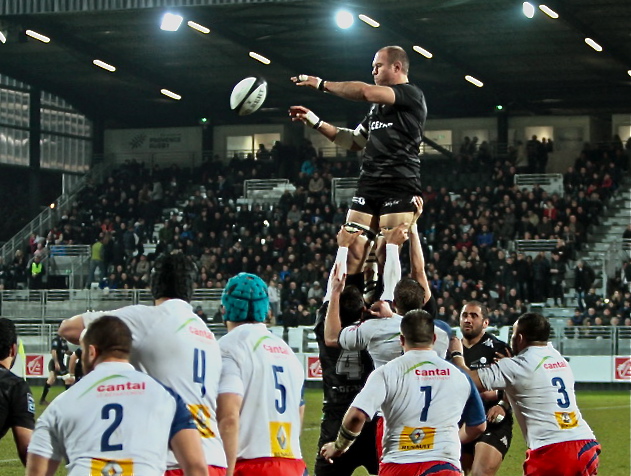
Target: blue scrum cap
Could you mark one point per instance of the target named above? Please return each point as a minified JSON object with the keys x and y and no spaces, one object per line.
{"x":245,"y":299}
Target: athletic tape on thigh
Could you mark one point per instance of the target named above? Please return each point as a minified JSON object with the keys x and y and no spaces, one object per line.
{"x":366,"y":231}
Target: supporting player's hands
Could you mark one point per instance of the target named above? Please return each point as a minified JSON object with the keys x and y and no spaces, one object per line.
{"x":381,"y":309}
{"x":338,"y":279}
{"x":346,"y":238}
{"x":500,"y":356}
{"x":329,"y":451}
{"x":495,"y":414}
{"x":306,"y":80}
{"x":418,"y":202}
{"x":397,"y":235}
{"x":299,"y":113}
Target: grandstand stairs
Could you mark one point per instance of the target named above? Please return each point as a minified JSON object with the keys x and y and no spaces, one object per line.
{"x":603,"y":250}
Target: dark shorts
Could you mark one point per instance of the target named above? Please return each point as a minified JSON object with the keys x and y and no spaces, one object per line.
{"x":385,"y":196}
{"x":361,"y":453}
{"x":62,"y":367}
{"x":497,"y":435}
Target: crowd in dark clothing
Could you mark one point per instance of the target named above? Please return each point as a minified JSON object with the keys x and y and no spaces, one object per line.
{"x":293,"y":243}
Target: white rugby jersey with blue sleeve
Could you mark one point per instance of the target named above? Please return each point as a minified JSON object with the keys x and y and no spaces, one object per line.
{"x":381,"y":338}
{"x":540,"y":386}
{"x":263,"y":369}
{"x":116,"y":420}
{"x":422,"y":397}
{"x":173,"y":345}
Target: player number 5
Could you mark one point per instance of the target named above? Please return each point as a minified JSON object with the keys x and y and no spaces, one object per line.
{"x":282,"y":405}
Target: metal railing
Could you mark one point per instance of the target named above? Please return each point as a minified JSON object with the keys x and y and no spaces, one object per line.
{"x":50,"y":216}
{"x":49,"y":306}
{"x":535,"y":246}
{"x":342,"y":190}
{"x":266,"y":191}
{"x":551,"y":183}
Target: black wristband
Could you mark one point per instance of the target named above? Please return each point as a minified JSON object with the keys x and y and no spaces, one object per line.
{"x":456,"y":354}
{"x":321,"y":86}
{"x":317,"y":124}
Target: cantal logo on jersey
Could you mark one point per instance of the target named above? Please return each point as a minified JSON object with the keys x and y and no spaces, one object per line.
{"x":258,"y":342}
{"x":542,"y":361}
{"x":127,"y":387}
{"x":416,"y":438}
{"x":561,"y":364}
{"x":436,"y":372}
{"x":393,"y":337}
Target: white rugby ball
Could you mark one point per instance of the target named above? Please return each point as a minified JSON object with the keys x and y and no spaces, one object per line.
{"x":248,"y":95}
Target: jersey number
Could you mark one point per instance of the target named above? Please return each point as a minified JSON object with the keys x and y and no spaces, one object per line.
{"x":428,"y":398}
{"x":565,"y":401}
{"x":199,"y":369}
{"x":282,"y":405}
{"x":349,"y":365}
{"x":118,"y":418}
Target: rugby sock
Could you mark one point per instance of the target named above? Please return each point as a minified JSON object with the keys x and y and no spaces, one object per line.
{"x":44,"y":393}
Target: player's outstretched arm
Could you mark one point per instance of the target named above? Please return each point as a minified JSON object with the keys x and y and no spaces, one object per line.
{"x":228,"y":410}
{"x":37,"y":465}
{"x":332,"y":321}
{"x":353,"y":90}
{"x":417,"y":259}
{"x":71,"y":329}
{"x":346,"y":138}
{"x":187,"y":448}
{"x":455,"y":351}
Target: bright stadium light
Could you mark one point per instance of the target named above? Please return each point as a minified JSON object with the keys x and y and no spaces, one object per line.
{"x":548,"y":11}
{"x":37,"y":36}
{"x":344,"y":19}
{"x":171,"y":94}
{"x":528,"y":9}
{"x":171,"y":22}
{"x":474,"y":81}
{"x":593,"y":44}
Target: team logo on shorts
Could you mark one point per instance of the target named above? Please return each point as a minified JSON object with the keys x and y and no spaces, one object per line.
{"x":416,"y":438}
{"x":566,"y":420}
{"x":359,"y":200}
{"x":280,"y":438}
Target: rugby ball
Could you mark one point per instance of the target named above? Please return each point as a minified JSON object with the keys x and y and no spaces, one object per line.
{"x":248,"y":95}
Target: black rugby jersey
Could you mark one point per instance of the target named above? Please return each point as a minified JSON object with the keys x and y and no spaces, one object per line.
{"x":344,"y":372}
{"x":61,"y":347}
{"x":482,"y":354}
{"x":395,"y":133}
{"x":17,"y":406}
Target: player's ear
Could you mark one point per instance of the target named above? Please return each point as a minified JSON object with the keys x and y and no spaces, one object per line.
{"x":14,"y":350}
{"x":402,"y":340}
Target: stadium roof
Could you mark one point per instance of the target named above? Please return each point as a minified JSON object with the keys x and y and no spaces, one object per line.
{"x":529,"y":66}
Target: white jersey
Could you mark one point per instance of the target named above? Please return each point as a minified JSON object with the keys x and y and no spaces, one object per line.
{"x":114,"y":419}
{"x":173,"y":345}
{"x":263,"y":369}
{"x":423,"y":397}
{"x":381,"y":338}
{"x":540,"y":386}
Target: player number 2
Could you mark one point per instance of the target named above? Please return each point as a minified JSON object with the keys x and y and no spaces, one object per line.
{"x":427,"y":391}
{"x":565,"y":402}
{"x":118,"y":418}
{"x":282,"y":405}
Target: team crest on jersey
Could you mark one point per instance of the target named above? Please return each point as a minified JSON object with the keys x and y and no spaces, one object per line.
{"x":280,"y":438}
{"x":416,"y":438}
{"x":121,"y":467}
{"x":488,"y":343}
{"x":566,"y":420}
{"x":30,"y":403}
